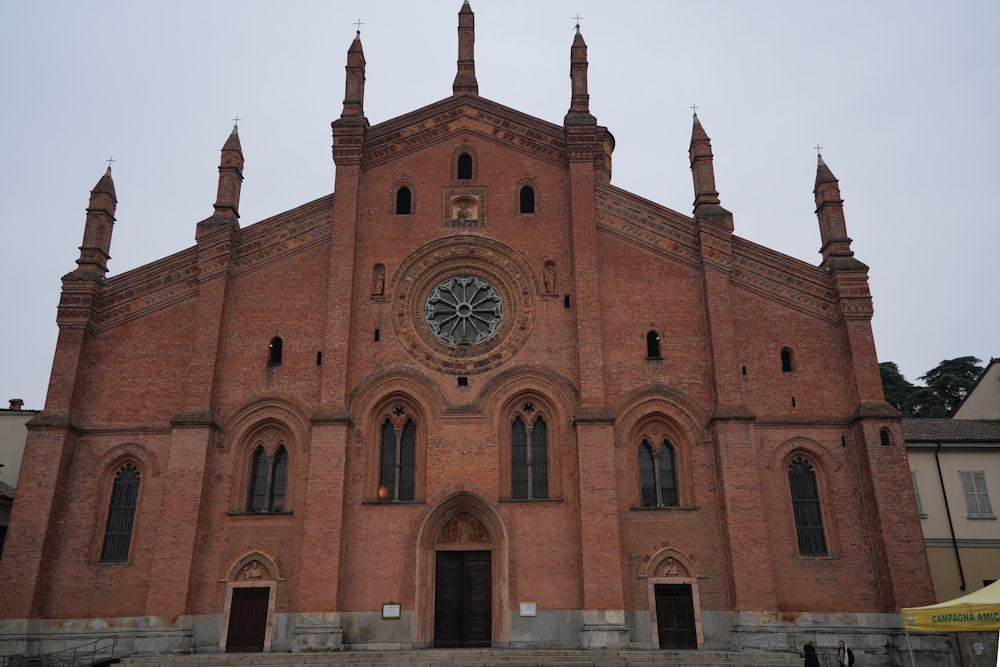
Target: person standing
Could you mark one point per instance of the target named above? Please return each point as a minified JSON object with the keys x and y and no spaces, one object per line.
{"x":845,"y":657}
{"x":809,"y":650}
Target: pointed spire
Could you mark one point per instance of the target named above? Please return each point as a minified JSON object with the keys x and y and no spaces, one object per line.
{"x":702,"y":167}
{"x":227,"y":202}
{"x":830,"y":212}
{"x":465,"y":78}
{"x":96,"y":248}
{"x":579,"y":107}
{"x":707,"y":207}
{"x":354,"y":87}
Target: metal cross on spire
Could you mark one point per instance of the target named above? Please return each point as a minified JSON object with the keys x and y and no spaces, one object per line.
{"x":236,"y":121}
{"x":110,"y":160}
{"x":358,"y":25}
{"x":577,"y":18}
{"x":819,"y":150}
{"x":694,"y":108}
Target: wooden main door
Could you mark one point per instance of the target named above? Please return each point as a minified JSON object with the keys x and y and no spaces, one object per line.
{"x":463,"y":599}
{"x":247,"y":620}
{"x":675,"y":616}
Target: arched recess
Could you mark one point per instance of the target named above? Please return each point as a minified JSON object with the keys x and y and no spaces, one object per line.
{"x":396,"y":394}
{"x":519,"y":193}
{"x":461,"y":522}
{"x":254,"y":568}
{"x":465,"y":163}
{"x":106,"y":470}
{"x":669,"y":564}
{"x":540,"y":391}
{"x":394,"y":196}
{"x":826,"y":467}
{"x":659,"y":413}
{"x":271,"y":423}
{"x":278,"y":410}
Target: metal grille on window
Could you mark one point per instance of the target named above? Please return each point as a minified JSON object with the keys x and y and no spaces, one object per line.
{"x":806,"y":507}
{"x":121,"y":514}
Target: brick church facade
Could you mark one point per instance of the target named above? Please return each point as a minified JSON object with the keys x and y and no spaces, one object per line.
{"x":477,"y":396}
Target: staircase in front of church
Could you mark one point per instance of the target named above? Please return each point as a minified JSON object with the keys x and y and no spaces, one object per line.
{"x":476,"y":658}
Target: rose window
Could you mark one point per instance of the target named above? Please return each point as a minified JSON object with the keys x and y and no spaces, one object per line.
{"x":464,"y":310}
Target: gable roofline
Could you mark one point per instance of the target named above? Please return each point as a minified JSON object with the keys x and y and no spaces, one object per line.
{"x":759,"y":269}
{"x":982,"y":376}
{"x":435,"y":122}
{"x":173,"y":278}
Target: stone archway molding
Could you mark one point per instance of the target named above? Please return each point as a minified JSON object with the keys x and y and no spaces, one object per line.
{"x":254,"y":567}
{"x":437,"y":532}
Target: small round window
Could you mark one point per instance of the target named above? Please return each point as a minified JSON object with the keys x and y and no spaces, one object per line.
{"x":464,"y":310}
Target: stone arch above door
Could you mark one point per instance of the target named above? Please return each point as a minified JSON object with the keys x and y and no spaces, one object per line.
{"x":254,"y":568}
{"x":461,"y":522}
{"x":670,"y":564}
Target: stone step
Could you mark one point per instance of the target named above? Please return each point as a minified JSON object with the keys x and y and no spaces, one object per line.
{"x":476,"y":658}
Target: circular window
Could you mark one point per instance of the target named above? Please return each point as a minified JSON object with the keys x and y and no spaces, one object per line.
{"x":464,"y":310}
{"x":463,"y":304}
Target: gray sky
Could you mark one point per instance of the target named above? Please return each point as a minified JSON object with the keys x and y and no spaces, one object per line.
{"x":903,"y":96}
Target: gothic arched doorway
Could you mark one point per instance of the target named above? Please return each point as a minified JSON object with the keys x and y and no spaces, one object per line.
{"x":248,"y":614}
{"x":462,"y":569}
{"x":674,"y":600}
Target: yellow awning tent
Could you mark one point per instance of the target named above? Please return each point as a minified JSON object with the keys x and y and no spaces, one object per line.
{"x":978,"y":611}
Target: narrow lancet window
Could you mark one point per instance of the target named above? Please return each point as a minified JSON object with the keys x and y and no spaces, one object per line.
{"x":527,"y":199}
{"x":121,"y":515}
{"x":464,"y":166}
{"x":786,"y":361}
{"x":653,"y":345}
{"x":404,"y":200}
{"x":274,"y":351}
{"x":807,"y":509}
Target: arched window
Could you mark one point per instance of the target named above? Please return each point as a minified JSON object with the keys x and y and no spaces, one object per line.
{"x":398,"y":460}
{"x":527,"y":199}
{"x":529,"y":458}
{"x":807,"y":509}
{"x":786,"y":360}
{"x":885,"y":437}
{"x":403,"y":201}
{"x":121,"y":515}
{"x":274,"y":351}
{"x":657,"y":476}
{"x":464,"y":166}
{"x":653,"y":345}
{"x":268,"y":480}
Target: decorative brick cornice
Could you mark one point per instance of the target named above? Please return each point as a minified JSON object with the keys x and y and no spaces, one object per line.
{"x":671,"y":234}
{"x":172,"y":279}
{"x":437,"y":122}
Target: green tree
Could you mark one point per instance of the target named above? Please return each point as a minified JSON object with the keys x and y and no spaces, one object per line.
{"x":897,"y":388}
{"x":952,"y":379}
{"x":947,"y":384}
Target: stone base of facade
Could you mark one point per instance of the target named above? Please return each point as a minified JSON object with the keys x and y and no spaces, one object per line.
{"x":604,"y":629}
{"x":315,"y":632}
{"x":879,"y":638}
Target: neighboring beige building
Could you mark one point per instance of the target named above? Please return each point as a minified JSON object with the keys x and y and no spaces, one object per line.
{"x":983,"y":401}
{"x":955,"y":465}
{"x":12,"y":436}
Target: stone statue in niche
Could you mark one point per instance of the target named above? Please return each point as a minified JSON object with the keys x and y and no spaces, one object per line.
{"x":252,"y":571}
{"x":464,"y":528}
{"x":464,"y":211}
{"x":671,"y":568}
{"x":378,"y":280}
{"x":549,"y":278}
